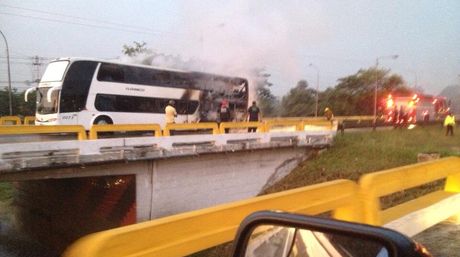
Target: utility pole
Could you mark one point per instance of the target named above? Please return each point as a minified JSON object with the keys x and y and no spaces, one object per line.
{"x":36,"y":62}
{"x":10,"y":103}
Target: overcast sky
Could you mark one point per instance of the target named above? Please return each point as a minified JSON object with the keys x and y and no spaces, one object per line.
{"x":338,"y":37}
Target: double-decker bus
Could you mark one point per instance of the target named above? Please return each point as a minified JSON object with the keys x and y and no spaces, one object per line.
{"x":88,"y":91}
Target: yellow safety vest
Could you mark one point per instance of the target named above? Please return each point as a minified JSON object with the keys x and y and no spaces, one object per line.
{"x":450,"y":120}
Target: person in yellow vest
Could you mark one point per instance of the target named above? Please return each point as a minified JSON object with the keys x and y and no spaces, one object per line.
{"x":170,"y":112}
{"x":449,"y":123}
{"x":328,"y":113}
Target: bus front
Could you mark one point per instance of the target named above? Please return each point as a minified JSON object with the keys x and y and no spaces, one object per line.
{"x":48,"y":93}
{"x":63,"y":91}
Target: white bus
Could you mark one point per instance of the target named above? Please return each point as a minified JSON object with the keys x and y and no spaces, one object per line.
{"x":77,"y":91}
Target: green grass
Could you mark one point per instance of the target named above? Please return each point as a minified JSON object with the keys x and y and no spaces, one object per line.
{"x":354,"y":154}
{"x":6,"y":191}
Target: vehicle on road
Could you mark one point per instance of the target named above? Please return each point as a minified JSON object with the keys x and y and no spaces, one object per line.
{"x":78,"y":91}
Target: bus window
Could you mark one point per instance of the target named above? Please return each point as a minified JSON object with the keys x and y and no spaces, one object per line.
{"x":76,"y":86}
{"x":54,"y":71}
{"x":43,"y":106}
{"x":122,"y":103}
{"x":111,"y":73}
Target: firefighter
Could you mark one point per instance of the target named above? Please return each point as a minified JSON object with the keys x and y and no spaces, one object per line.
{"x":328,"y":113}
{"x":449,"y":123}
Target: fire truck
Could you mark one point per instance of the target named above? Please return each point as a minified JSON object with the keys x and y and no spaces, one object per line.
{"x":414,"y":108}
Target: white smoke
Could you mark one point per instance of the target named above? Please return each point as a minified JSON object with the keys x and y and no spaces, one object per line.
{"x":236,"y":37}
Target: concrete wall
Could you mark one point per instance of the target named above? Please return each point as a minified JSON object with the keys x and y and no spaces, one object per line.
{"x":196,"y":182}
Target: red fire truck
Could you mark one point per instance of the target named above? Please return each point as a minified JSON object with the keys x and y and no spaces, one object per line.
{"x":414,"y":108}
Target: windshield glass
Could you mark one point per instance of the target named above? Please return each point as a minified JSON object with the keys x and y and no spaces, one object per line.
{"x":43,"y":106}
{"x":55,"y":71}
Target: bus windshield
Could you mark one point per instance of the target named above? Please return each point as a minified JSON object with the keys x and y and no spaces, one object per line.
{"x":43,"y":106}
{"x":55,"y":71}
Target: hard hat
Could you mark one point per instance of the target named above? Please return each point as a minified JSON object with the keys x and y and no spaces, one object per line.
{"x":327,"y":109}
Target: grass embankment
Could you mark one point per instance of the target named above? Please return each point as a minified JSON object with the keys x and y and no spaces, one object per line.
{"x":354,"y":154}
{"x":357,"y":153}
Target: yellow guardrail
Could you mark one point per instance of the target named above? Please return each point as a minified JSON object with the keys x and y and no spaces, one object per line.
{"x":10,"y":120}
{"x":190,"y":126}
{"x":379,"y":184}
{"x":358,"y":118}
{"x":20,"y":130}
{"x":29,"y":120}
{"x":298,"y":124}
{"x":242,"y":125}
{"x":187,"y":233}
{"x":95,"y":129}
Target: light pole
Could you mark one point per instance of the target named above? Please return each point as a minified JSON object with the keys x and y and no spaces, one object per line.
{"x":317,"y":87}
{"x":9,"y":74}
{"x":377,"y":83}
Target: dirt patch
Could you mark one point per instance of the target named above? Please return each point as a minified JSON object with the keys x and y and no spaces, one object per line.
{"x":442,"y":239}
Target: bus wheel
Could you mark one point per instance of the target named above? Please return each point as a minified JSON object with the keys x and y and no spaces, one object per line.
{"x":103,"y":120}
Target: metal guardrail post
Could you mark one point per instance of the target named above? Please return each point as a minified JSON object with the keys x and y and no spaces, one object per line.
{"x":29,"y":120}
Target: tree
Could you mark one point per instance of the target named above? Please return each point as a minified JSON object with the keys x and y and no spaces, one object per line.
{"x":138,"y":48}
{"x":354,"y":94}
{"x":299,"y":102}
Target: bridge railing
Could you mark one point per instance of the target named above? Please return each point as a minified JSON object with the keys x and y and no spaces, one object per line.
{"x":95,"y":129}
{"x":187,"y":233}
{"x":21,"y":130}
{"x":191,"y":126}
{"x":376,"y":185}
{"x":10,"y":120}
{"x":29,"y":120}
{"x":260,"y":127}
{"x":190,"y":232}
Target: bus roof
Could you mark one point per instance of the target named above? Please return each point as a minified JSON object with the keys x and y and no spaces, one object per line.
{"x":198,"y":75}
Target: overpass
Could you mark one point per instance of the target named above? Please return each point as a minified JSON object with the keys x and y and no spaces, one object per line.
{"x":108,"y":182}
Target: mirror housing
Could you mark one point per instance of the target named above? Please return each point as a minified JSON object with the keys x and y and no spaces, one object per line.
{"x":394,"y":244}
{"x":50,"y":92}
{"x":26,"y":99}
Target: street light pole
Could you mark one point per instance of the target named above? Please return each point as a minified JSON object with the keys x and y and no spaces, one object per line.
{"x":376,"y":85}
{"x":9,"y":74}
{"x":317,"y":87}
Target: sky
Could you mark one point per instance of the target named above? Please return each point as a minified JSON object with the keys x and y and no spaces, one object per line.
{"x":291,"y":39}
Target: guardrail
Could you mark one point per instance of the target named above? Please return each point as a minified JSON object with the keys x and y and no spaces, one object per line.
{"x":383,"y":183}
{"x":10,"y":120}
{"x":29,"y":120}
{"x":187,"y":233}
{"x":20,"y":130}
{"x":242,"y":125}
{"x":190,"y":232}
{"x":95,"y":129}
{"x":190,"y":126}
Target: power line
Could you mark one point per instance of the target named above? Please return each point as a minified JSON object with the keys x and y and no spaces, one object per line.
{"x":150,"y":32}
{"x":77,"y":17}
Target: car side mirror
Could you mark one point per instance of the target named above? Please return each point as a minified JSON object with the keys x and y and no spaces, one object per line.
{"x":278,"y":234}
